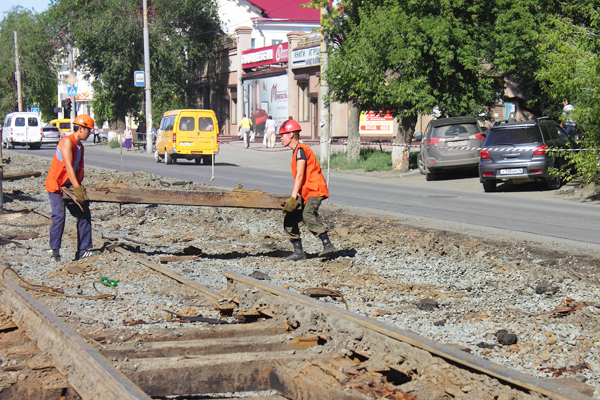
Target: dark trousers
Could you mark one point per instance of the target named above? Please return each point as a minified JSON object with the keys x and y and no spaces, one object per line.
{"x":309,"y":213}
{"x":57,"y":227}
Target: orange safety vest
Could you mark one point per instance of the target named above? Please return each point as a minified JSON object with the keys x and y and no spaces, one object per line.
{"x":57,"y":175}
{"x":314,"y":184}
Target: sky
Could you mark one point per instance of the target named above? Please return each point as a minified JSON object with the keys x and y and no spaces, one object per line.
{"x":38,"y":5}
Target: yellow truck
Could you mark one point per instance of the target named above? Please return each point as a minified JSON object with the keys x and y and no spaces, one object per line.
{"x":187,"y":134}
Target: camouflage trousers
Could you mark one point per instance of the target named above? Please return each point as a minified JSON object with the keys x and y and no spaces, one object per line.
{"x":309,"y":213}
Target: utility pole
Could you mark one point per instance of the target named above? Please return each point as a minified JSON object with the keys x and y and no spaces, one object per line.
{"x":147,"y":82}
{"x":323,"y":93}
{"x":18,"y":73}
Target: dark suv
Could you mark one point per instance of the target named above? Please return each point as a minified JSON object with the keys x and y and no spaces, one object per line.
{"x":447,"y":144}
{"x":517,"y":152}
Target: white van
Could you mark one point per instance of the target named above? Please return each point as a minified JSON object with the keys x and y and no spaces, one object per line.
{"x":22,"y":128}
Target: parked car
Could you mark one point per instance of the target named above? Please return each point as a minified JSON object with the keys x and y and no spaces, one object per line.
{"x":441,"y":140}
{"x":22,"y":128}
{"x":50,"y":135}
{"x":517,"y":153}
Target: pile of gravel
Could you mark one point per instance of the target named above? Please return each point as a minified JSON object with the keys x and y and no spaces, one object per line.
{"x":451,"y":288}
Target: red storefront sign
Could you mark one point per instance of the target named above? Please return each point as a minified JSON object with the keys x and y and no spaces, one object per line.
{"x":274,"y":54}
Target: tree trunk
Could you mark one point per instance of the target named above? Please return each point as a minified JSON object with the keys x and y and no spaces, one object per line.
{"x":406,"y":130}
{"x":353,"y":145}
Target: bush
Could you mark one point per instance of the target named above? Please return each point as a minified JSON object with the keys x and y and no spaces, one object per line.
{"x":114,"y":143}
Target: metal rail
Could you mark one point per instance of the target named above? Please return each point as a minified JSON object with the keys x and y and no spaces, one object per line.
{"x":90,"y":374}
{"x":462,"y":358}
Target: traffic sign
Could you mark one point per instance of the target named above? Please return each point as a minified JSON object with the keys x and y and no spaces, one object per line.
{"x":35,"y":110}
{"x":72,"y":91}
{"x":138,"y":78}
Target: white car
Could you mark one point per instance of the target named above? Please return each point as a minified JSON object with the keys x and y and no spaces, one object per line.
{"x":22,"y":128}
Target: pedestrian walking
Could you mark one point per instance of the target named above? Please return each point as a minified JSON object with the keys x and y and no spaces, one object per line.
{"x":128,"y":135}
{"x":245,"y":127}
{"x":310,"y":189}
{"x":66,"y":170}
{"x":270,"y":129}
{"x":567,"y":121}
{"x":96,"y":134}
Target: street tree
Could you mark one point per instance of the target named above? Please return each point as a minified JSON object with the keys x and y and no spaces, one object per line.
{"x":108,"y":38}
{"x":36,"y":60}
{"x":409,"y":57}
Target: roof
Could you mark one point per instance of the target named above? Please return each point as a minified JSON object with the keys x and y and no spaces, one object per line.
{"x":453,"y":120}
{"x":286,"y":9}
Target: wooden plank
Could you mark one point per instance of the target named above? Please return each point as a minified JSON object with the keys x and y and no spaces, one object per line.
{"x":21,"y":175}
{"x":238,"y":372}
{"x":184,"y":348}
{"x":450,"y":353}
{"x":90,"y":374}
{"x":234,"y":198}
{"x":308,"y":385}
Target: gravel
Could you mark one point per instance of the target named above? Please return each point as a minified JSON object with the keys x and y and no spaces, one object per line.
{"x":452,"y":288}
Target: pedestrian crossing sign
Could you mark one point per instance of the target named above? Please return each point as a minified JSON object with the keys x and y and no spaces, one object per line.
{"x":72,"y":91}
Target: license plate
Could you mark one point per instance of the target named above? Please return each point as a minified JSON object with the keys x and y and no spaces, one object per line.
{"x":52,"y":135}
{"x":186,"y":144}
{"x":457,"y":143}
{"x":511,"y":171}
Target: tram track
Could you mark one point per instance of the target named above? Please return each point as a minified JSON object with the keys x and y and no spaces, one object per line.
{"x":329,"y":359}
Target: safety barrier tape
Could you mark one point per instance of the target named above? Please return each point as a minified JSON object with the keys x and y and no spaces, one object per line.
{"x":271,"y":150}
{"x":465,"y":147}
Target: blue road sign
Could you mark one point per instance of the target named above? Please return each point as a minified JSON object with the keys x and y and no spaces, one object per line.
{"x":35,"y":110}
{"x":72,"y":91}
{"x":138,"y":78}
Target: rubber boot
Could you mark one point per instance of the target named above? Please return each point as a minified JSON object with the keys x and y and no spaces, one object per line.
{"x":298,"y":253}
{"x":328,"y":247}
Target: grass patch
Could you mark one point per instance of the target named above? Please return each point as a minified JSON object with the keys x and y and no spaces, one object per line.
{"x":114,"y":143}
{"x":370,"y":159}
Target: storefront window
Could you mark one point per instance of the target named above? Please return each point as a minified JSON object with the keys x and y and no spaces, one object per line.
{"x":233,"y":112}
{"x":303,"y":101}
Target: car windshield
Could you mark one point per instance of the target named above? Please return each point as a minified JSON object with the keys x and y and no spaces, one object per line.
{"x":454,"y":130}
{"x":514,"y":136}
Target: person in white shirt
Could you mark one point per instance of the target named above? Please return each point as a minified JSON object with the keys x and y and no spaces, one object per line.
{"x":270,"y":129}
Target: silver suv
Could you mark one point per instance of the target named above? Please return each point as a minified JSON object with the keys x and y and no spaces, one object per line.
{"x":442,"y":142}
{"x":517,"y":152}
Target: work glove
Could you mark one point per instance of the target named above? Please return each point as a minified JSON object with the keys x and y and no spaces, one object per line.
{"x":290,"y":205}
{"x":80,"y":195}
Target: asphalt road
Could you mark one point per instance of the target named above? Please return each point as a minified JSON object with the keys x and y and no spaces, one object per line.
{"x":456,"y":202}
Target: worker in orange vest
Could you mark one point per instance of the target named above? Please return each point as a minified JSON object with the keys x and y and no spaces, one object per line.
{"x":66,"y":170}
{"x":310,"y":189}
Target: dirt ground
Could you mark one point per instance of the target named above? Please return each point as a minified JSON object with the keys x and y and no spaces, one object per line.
{"x":459,"y":288}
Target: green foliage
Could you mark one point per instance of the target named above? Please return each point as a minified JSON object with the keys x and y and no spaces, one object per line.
{"x":36,"y":52}
{"x":109,"y":37}
{"x":370,"y":159}
{"x":114,"y":143}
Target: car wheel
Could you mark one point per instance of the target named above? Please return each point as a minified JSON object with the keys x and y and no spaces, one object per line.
{"x":36,"y":146}
{"x":430,"y":176}
{"x":168,"y":158}
{"x":197,"y":160}
{"x":207,"y":160}
{"x":554,"y":183}
{"x":489,"y":186}
{"x":157,"y":156}
{"x":421,"y":164}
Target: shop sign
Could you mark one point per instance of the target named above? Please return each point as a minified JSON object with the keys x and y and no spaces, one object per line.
{"x":306,"y":57}
{"x":374,"y":123}
{"x":277,"y":53}
{"x":264,"y":97}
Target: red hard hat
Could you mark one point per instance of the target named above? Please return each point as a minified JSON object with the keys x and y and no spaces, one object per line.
{"x":289,"y":126}
{"x":84,"y":120}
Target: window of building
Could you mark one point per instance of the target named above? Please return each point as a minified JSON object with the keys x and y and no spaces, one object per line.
{"x":275,"y":41}
{"x":253,"y":44}
{"x":303,"y":101}
{"x":233,"y":110}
